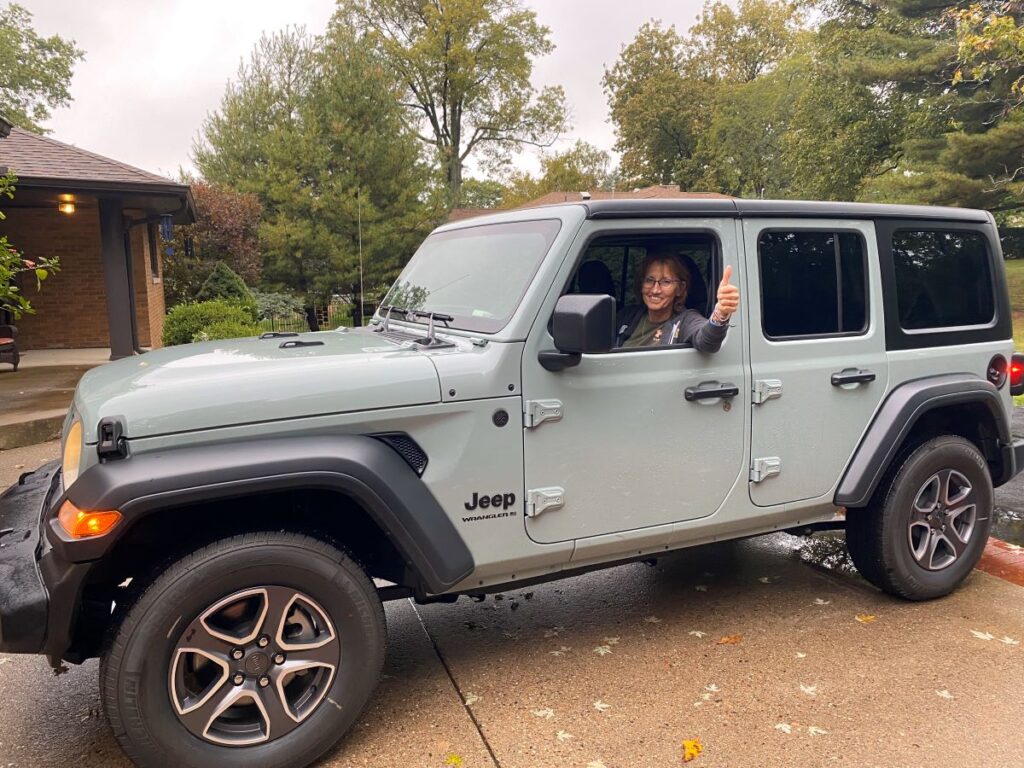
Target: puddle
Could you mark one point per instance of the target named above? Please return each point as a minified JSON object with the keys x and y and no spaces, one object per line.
{"x":828,"y":551}
{"x":1008,"y":525}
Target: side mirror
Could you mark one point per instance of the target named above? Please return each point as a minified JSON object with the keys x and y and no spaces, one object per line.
{"x":583,"y":324}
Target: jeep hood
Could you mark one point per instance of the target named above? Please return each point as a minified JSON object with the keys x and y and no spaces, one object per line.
{"x":223,"y":383}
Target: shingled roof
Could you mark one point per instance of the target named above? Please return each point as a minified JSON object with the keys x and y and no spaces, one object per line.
{"x":32,"y":157}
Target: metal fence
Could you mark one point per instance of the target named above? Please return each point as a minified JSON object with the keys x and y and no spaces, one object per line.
{"x":328,"y":316}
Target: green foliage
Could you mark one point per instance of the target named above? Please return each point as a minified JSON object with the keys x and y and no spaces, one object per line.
{"x":270,"y":305}
{"x":14,"y":265}
{"x":186,"y":320}
{"x":35,"y":71}
{"x":223,"y":284}
{"x":465,"y":68}
{"x":583,"y":167}
{"x":226,"y":329}
{"x":482,"y":193}
{"x":312,"y":128}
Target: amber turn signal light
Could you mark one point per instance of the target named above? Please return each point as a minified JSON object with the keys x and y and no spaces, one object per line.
{"x":80,"y":524}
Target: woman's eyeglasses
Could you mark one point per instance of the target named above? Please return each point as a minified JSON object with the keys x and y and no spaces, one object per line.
{"x":665,"y":282}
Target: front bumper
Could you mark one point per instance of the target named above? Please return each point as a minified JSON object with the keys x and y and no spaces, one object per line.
{"x":24,"y":602}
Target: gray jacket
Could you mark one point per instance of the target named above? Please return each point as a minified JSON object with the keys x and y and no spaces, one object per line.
{"x":688,"y":327}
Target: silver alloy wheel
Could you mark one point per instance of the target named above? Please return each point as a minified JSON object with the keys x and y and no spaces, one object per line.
{"x":253,"y":666}
{"x":942,"y":520}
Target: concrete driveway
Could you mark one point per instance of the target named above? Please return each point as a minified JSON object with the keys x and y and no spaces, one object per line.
{"x":743,"y":646}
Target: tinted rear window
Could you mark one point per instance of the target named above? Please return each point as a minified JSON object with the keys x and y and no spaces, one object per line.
{"x":943,"y":279}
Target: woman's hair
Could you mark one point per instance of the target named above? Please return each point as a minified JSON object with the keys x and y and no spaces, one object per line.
{"x":669,"y":258}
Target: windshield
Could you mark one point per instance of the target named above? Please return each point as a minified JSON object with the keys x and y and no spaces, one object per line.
{"x":477,"y":275}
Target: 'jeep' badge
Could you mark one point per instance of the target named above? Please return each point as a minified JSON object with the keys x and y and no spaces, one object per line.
{"x":496,"y":501}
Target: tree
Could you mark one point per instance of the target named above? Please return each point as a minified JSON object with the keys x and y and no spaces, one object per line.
{"x":35,"y":72}
{"x":313,"y":128}
{"x":581,"y":168}
{"x":465,"y":69}
{"x":482,"y":193}
{"x":665,"y":90}
{"x":13,"y":265}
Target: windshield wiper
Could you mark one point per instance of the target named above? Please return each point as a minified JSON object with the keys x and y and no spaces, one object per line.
{"x":431,"y":338}
{"x":387,"y":315}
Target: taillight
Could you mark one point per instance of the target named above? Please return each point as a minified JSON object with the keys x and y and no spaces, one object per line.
{"x":1017,"y":375}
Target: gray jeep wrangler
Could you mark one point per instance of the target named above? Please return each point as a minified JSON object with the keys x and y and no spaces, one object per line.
{"x":229,"y":516}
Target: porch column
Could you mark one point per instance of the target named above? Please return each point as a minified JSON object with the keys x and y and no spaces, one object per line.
{"x":120,"y":303}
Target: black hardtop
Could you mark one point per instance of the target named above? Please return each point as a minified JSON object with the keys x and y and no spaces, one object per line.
{"x":739,"y":208}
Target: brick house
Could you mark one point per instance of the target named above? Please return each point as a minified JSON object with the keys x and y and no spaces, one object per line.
{"x":102,"y":219}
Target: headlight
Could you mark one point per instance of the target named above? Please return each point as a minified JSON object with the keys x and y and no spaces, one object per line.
{"x":72,"y":453}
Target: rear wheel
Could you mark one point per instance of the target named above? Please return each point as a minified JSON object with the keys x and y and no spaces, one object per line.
{"x":258,"y":651}
{"x":928,"y":522}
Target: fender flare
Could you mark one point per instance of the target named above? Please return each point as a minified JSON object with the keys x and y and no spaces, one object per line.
{"x":361,"y":467}
{"x":893,"y":421}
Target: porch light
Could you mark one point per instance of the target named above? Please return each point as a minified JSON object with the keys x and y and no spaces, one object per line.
{"x":67,"y":208}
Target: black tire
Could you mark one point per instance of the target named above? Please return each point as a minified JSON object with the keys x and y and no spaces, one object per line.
{"x":890,"y":539}
{"x":148,"y":667}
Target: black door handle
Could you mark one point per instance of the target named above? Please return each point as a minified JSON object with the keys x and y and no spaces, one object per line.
{"x":709,"y":389}
{"x":852,"y":376}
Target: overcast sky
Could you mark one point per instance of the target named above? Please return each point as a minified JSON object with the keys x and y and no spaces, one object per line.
{"x":154,"y":70}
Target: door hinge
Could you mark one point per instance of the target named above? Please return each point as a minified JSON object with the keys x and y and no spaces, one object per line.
{"x":765,"y":390}
{"x":542,"y":499}
{"x":764,"y":468}
{"x":537,"y":411}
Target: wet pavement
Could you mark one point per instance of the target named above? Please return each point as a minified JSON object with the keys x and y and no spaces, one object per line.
{"x":754,"y":648}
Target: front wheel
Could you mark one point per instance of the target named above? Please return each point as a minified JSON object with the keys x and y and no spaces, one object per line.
{"x":257,"y":651}
{"x":927,"y":525}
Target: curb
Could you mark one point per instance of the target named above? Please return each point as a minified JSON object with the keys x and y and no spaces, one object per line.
{"x":1004,"y":561}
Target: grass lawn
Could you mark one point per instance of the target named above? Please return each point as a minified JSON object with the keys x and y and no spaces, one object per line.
{"x":1015,"y":280}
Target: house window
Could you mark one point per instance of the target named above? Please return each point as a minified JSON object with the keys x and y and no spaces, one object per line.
{"x":812,"y":284}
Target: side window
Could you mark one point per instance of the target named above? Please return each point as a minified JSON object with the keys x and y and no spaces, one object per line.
{"x":812,"y":283}
{"x":943,"y":279}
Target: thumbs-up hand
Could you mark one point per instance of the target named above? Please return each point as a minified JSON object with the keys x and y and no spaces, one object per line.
{"x":728,"y":297}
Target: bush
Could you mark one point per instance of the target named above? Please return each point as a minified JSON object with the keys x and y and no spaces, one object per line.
{"x":277,"y":305}
{"x":186,"y":320}
{"x":226,"y":329}
{"x":224,"y":285}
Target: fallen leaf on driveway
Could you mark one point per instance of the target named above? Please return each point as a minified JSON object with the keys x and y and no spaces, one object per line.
{"x":652,"y":620}
{"x":453,"y":760}
{"x":801,"y":655}
{"x":712,"y":687}
{"x":600,"y":706}
{"x":471,"y":699}
{"x":547,"y":712}
{"x":784,"y":727}
{"x":816,"y":731}
{"x":767,"y":579}
{"x":819,"y":601}
{"x":611,"y":641}
{"x":810,"y":690}
{"x":4,"y":661}
{"x":982,"y":635}
{"x":564,"y":736}
{"x":561,"y":651}
{"x":596,"y":764}
{"x":553,"y":632}
{"x":865,"y":618}
{"x":1009,"y":641}
{"x":944,"y":694}
{"x":701,"y":587}
{"x":730,"y":640}
{"x":603,"y":650}
{"x":691,"y":750}
{"x":698,"y":633}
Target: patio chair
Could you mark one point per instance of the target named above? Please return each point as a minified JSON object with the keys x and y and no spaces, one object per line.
{"x":9,"y":345}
